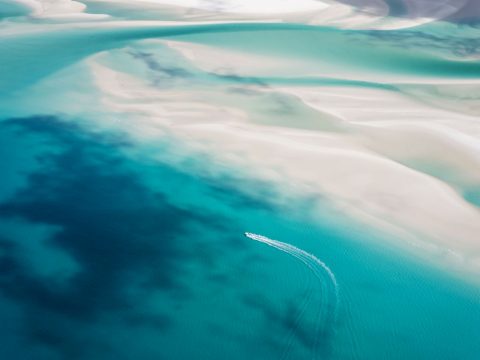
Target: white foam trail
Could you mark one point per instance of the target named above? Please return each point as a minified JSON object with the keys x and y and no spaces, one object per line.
{"x":298,"y":253}
{"x":319,"y":269}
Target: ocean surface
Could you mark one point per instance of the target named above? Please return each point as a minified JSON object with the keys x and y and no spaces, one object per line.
{"x":141,"y":141}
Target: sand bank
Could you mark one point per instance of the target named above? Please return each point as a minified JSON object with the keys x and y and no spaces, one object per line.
{"x":362,"y":171}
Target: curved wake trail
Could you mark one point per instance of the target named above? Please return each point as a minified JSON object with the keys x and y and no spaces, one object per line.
{"x":328,"y":282}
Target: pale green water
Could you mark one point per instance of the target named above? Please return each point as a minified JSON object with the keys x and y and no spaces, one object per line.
{"x":107,"y":252}
{"x":333,"y":49}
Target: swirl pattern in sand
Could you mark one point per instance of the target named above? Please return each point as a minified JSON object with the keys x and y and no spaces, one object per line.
{"x":140,"y":139}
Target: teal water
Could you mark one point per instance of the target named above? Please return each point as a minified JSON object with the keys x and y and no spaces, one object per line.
{"x":47,"y":51}
{"x":115,"y":245}
{"x":154,"y":264}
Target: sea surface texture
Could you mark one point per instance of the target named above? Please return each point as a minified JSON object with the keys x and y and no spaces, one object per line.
{"x":240,"y":179}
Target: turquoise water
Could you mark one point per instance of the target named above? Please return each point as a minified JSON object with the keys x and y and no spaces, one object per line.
{"x":154,"y":264}
{"x":335,"y":50}
{"x":118,"y":241}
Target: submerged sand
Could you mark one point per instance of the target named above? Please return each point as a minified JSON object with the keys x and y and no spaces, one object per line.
{"x":396,"y":149}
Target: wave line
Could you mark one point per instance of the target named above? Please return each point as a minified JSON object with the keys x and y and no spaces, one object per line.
{"x":319,"y":269}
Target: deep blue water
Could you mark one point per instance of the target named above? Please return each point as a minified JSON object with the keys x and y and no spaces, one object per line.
{"x":108,"y":254}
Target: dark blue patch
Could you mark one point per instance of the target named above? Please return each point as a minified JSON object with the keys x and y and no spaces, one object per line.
{"x":116,"y":228}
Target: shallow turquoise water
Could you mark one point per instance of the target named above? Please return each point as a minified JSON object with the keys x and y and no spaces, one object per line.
{"x":137,"y":259}
{"x":112,"y":247}
{"x":335,"y":51}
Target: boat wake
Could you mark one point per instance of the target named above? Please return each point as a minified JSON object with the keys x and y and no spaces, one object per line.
{"x":329,"y":299}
